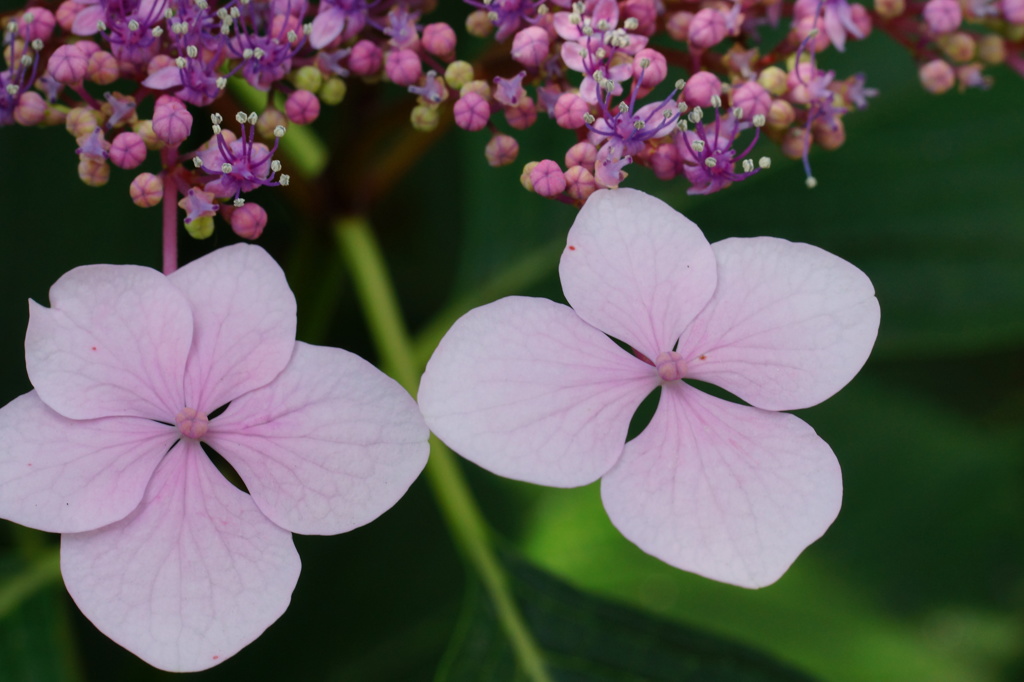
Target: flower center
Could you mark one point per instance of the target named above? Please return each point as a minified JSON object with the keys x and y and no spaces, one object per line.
{"x":670,"y":365}
{"x":192,"y":423}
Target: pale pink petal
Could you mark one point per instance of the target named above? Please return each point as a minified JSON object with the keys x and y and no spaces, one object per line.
{"x":65,"y":476}
{"x":331,"y":444}
{"x":164,"y":78}
{"x":606,"y":11}
{"x":526,"y":389}
{"x":572,"y":58}
{"x":194,"y":575}
{"x":244,"y":323}
{"x":727,"y":491}
{"x":636,"y":269}
{"x":113,"y":343}
{"x":327,"y":25}
{"x":85,"y":23}
{"x":566,"y":30}
{"x":788,"y":326}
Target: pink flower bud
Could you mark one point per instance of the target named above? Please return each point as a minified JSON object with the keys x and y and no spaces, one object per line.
{"x":92,"y":172}
{"x":752,"y":99}
{"x":365,"y":58}
{"x":36,"y":23}
{"x":268,"y":122}
{"x":677,"y":25}
{"x":478,"y":25}
{"x":829,"y":135}
{"x":942,"y":16}
{"x":707,"y":29}
{"x":655,"y":71}
{"x":172,"y":122}
{"x":581,"y":154}
{"x":522,"y":115}
{"x":530,"y":46}
{"x":66,"y":13}
{"x":302,"y":107}
{"x":439,"y":40}
{"x":87,"y":47}
{"x":102,"y":69}
{"x":146,"y":190}
{"x":781,"y":114}
{"x":472,"y":111}
{"x":644,"y":11}
{"x":68,"y":65}
{"x":937,"y":76}
{"x":803,"y":27}
{"x":248,"y":220}
{"x":579,"y":183}
{"x":501,"y":150}
{"x":861,"y":19}
{"x":31,"y":109}
{"x":81,"y":121}
{"x":569,"y":111}
{"x":700,"y":88}
{"x":127,"y":150}
{"x":1013,"y":11}
{"x":547,"y":179}
{"x":795,"y":142}
{"x":403,"y":67}
{"x":664,"y":161}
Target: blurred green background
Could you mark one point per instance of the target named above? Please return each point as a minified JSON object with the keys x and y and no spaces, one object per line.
{"x":920,"y":578}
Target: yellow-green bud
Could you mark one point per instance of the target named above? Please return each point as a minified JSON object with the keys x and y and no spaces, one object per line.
{"x":481,"y":88}
{"x":81,"y":121}
{"x":773,"y":79}
{"x":524,"y":177}
{"x":458,"y":74}
{"x":307,"y":78}
{"x":200,"y":228}
{"x":333,"y":91}
{"x":424,"y":117}
{"x":144,"y":128}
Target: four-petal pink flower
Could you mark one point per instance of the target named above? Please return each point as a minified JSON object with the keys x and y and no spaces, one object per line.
{"x":159,"y":549}
{"x":537,"y":391}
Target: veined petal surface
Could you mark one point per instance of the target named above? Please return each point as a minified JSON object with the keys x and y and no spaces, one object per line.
{"x":329,"y":445}
{"x":726,"y":491}
{"x":526,"y":389}
{"x":113,"y":344}
{"x":244,"y":323}
{"x":193,"y":575}
{"x":66,"y":476}
{"x":789,"y":324}
{"x":636,"y":269}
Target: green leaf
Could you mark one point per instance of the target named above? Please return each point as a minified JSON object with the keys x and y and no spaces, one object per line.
{"x":587,"y":639}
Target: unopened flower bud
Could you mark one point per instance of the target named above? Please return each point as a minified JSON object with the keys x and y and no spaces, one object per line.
{"x":81,"y":121}
{"x":403,"y":67}
{"x":830,"y":136}
{"x":31,"y":109}
{"x":200,"y":228}
{"x":37,"y":23}
{"x":795,"y":142}
{"x":890,"y":9}
{"x":774,"y":80}
{"x":439,"y":40}
{"x":146,"y":190}
{"x":942,"y":16}
{"x":302,"y":107}
{"x":581,"y":154}
{"x":781,"y":114}
{"x":248,"y":220}
{"x":172,"y":121}
{"x":653,"y":67}
{"x":307,"y":77}
{"x":524,"y":176}
{"x":478,"y":24}
{"x":707,"y":28}
{"x":501,"y":150}
{"x":333,"y":91}
{"x":531,"y":45}
{"x":701,"y":88}
{"x":268,"y":120}
{"x":102,"y":68}
{"x":365,"y":59}
{"x":677,"y":25}
{"x":959,"y":46}
{"x":1013,"y":11}
{"x":93,"y":172}
{"x":522,"y":115}
{"x":471,"y":111}
{"x":992,"y":48}
{"x":570,"y":109}
{"x":547,"y":179}
{"x":127,"y":150}
{"x":937,"y":76}
{"x":145,"y":130}
{"x":476,"y":86}
{"x":753,"y":99}
{"x":424,"y":117}
{"x":68,"y":64}
{"x":579,"y":183}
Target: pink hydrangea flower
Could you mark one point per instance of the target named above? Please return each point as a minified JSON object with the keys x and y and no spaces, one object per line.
{"x":537,"y":391}
{"x":159,"y":550}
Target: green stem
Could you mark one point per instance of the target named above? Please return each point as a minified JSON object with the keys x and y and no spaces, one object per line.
{"x":43,"y":570}
{"x":361,"y":253}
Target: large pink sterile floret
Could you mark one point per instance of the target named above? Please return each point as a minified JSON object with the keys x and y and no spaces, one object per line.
{"x":537,"y":391}
{"x":159,"y":549}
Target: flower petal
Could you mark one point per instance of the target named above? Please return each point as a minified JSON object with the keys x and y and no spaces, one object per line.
{"x":113,"y":344}
{"x":65,"y":476}
{"x":726,"y":491}
{"x":636,"y":269}
{"x":244,"y":323}
{"x":526,"y":389}
{"x":328,"y":446}
{"x":788,"y":326}
{"x":194,"y":575}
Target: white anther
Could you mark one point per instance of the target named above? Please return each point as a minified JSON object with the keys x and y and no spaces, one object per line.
{"x":222,"y":14}
{"x":168,"y":13}
{"x":279,"y":131}
{"x":575,"y":19}
{"x":216,"y":130}
{"x":680,"y":84}
{"x":252,"y":118}
{"x":681,"y":124}
{"x":737,"y":113}
{"x":696,"y":115}
{"x":235,"y":12}
{"x":258,"y":53}
{"x":639,"y":125}
{"x":197,"y":162}
{"x":748,"y":166}
{"x":631,"y":23}
{"x":241,"y":117}
{"x":239,"y":202}
{"x":275,"y":166}
{"x":202,"y":4}
{"x":588,"y":118}
{"x":307,"y":29}
{"x":192,"y":51}
{"x":284,"y":179}
{"x":608,"y":85}
{"x":101,"y":26}
{"x":697,"y":146}
{"x":12,"y":26}
{"x":811,"y":182}
{"x":602,"y":24}
{"x":710,"y":162}
{"x":225,"y":28}
{"x":542,"y":10}
{"x":764,"y":163}
{"x":759,"y":121}
{"x":184,"y":27}
{"x":28,"y":17}
{"x":492,"y":16}
{"x":623,"y":107}
{"x":180,"y":62}
{"x":247,"y":53}
{"x":37,"y":44}
{"x":683,"y":108}
{"x":156,"y":31}
{"x":133,"y":25}
{"x":226,"y":167}
{"x":12,"y":89}
{"x":587,"y":30}
{"x":716,"y":101}
{"x":26,"y":60}
{"x":216,"y":119}
{"x":292,"y":36}
{"x":221,"y":83}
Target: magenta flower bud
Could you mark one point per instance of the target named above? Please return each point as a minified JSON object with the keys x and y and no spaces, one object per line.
{"x":68,"y":65}
{"x":653,"y":67}
{"x":36,"y":23}
{"x":172,"y":122}
{"x":581,"y":154}
{"x":365,"y":58}
{"x":302,"y":107}
{"x":677,"y":25}
{"x":501,"y":150}
{"x":579,"y":183}
{"x":707,"y":28}
{"x":92,"y":172}
{"x":942,"y":16}
{"x":146,"y":190}
{"x":127,"y":150}
{"x":102,"y":68}
{"x":523,"y":115}
{"x":66,"y":13}
{"x":403,"y":67}
{"x":248,"y":220}
{"x":472,"y":111}
{"x":644,"y":11}
{"x":439,"y":40}
{"x":700,"y":88}
{"x":547,"y":179}
{"x":31,"y":109}
{"x":861,"y":19}
{"x":570,"y":110}
{"x":752,"y":99}
{"x":937,"y":76}
{"x":664,"y":161}
{"x":1013,"y":11}
{"x":530,"y":46}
